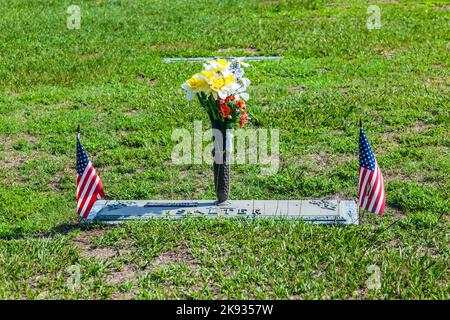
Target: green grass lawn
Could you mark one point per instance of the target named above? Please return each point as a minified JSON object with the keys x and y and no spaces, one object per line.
{"x":108,"y":77}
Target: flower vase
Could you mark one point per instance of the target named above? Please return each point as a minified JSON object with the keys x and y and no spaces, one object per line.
{"x":221,"y":152}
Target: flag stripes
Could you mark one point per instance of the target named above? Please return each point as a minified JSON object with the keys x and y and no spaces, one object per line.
{"x":371,"y":193}
{"x":89,"y":185}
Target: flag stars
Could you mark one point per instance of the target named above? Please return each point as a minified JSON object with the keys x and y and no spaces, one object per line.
{"x":366,"y":157}
{"x":82,"y":159}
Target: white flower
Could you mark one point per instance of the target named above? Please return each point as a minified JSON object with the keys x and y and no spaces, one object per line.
{"x":228,"y":90}
{"x":245,"y":82}
{"x":190,"y":94}
{"x":240,"y":92}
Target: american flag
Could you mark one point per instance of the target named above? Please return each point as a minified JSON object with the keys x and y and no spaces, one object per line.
{"x":372,"y":196}
{"x":89,"y":186}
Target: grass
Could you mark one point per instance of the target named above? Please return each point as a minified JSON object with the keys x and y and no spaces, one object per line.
{"x":108,"y":77}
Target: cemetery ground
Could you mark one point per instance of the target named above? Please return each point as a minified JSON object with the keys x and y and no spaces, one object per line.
{"x":108,"y":77}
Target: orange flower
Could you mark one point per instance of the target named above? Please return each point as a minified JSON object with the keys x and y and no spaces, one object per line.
{"x":230,"y":98}
{"x":243,"y":119}
{"x":240,"y":104}
{"x":225,"y":109}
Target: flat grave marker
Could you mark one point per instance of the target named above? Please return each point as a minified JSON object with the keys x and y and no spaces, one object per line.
{"x":199,"y":59}
{"x":334,"y":212}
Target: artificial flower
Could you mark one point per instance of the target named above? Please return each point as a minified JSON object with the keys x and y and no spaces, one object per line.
{"x":225,"y":109}
{"x":221,"y":89}
{"x":243,"y":119}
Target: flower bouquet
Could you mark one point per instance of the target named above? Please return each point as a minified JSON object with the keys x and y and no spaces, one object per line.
{"x":220,"y":88}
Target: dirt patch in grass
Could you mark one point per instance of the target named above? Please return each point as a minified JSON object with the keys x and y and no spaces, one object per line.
{"x":131,"y":273}
{"x":100,"y":253}
{"x":419,"y":177}
{"x":420,"y":126}
{"x":90,"y":56}
{"x":171,"y":47}
{"x":345,"y":89}
{"x":150,"y":81}
{"x":5,"y":140}
{"x":392,"y":175}
{"x":124,"y":295}
{"x":359,"y":294}
{"x":446,"y":7}
{"x":386,"y":52}
{"x":84,"y":241}
{"x":250,"y":50}
{"x":16,"y":150}
{"x":12,"y":142}
{"x":389,"y":137}
{"x":296,"y":88}
{"x":437,"y":83}
{"x":58,"y":179}
{"x":117,"y":275}
{"x":37,"y":281}
{"x":128,"y":272}
{"x":11,"y":161}
{"x":226,"y":49}
{"x":324,"y":159}
{"x":182,"y":254}
{"x":24,"y":136}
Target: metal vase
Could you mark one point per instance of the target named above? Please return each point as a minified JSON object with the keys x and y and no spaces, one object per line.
{"x":221,"y":157}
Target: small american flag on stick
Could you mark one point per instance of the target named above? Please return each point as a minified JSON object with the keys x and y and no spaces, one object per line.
{"x":372,"y":196}
{"x":89,"y":186}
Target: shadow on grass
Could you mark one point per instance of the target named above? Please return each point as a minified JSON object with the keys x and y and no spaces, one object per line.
{"x":61,"y":229}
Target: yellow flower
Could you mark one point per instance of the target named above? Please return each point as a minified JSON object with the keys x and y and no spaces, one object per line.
{"x":216,"y":65}
{"x":208,"y":74}
{"x":197,"y":84}
{"x":229,"y":79}
{"x":218,"y":82}
{"x":223,"y":63}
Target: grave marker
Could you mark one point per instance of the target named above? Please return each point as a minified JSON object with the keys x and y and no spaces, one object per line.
{"x":334,"y":212}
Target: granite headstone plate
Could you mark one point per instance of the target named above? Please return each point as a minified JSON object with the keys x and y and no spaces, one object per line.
{"x":336,"y":212}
